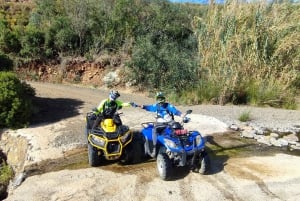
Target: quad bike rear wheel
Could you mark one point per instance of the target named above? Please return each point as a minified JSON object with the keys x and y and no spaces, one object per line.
{"x":138,"y":147}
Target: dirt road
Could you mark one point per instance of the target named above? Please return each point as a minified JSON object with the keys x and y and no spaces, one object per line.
{"x":56,"y":168}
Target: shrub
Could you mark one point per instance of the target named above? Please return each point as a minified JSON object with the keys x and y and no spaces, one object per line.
{"x":15,"y":101}
{"x":169,"y":66}
{"x":245,"y":116}
{"x":6,"y":64}
{"x":32,"y":43}
{"x":6,"y":174}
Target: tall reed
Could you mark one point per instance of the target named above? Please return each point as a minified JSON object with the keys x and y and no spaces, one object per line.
{"x":248,"y":50}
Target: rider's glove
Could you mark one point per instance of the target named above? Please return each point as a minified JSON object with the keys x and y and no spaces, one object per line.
{"x":133,"y":104}
{"x":94,"y":116}
{"x":186,"y":119}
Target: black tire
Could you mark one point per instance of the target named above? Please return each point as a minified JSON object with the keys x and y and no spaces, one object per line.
{"x":127,"y":156}
{"x":94,"y":159}
{"x":138,"y":147}
{"x":204,"y":163}
{"x":164,"y":166}
{"x":86,"y":133}
{"x":88,"y":127}
{"x":134,"y":152}
{"x":90,"y":121}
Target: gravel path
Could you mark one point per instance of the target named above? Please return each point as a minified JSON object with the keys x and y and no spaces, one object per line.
{"x":268,"y":117}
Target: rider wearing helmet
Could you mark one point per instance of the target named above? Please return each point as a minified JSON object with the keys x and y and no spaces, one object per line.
{"x":108,"y":108}
{"x":164,"y":110}
{"x":165,"y":114}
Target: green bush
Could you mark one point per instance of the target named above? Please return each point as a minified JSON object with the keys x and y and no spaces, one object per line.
{"x":33,"y":43}
{"x":169,"y":66}
{"x":6,"y":64}
{"x":245,"y":116}
{"x":11,"y":43}
{"x":15,"y":101}
{"x":6,"y":174}
{"x":164,"y":54}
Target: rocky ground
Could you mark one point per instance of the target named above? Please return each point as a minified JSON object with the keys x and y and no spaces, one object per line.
{"x":50,"y":156}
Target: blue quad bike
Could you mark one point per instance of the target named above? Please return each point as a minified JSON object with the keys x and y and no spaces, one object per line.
{"x":174,"y":146}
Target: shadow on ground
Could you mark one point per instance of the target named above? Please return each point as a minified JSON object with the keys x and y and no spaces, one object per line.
{"x":50,"y":110}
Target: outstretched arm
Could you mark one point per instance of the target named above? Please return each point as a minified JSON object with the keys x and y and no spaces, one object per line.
{"x":174,"y":110}
{"x":150,"y":108}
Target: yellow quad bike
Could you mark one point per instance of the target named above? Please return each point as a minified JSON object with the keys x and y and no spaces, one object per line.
{"x":111,"y":142}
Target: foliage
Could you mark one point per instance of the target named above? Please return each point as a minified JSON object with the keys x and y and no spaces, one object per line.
{"x":250,"y":50}
{"x":245,"y":116}
{"x":164,"y":55}
{"x":13,"y":19}
{"x":32,"y":43}
{"x":6,"y":173}
{"x":15,"y":101}
{"x":163,"y":66}
{"x":9,"y":41}
{"x":240,"y":53}
{"x":6,"y":64}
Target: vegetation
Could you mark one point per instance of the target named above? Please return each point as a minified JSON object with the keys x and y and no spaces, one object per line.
{"x":6,"y":174}
{"x":245,"y":116}
{"x":251,"y":57}
{"x":6,"y":64}
{"x":237,"y":53}
{"x":15,"y":101}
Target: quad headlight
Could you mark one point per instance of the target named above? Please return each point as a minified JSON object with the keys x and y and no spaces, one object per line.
{"x":170,"y":143}
{"x":125,"y":137}
{"x":98,"y":141}
{"x":198,"y":140}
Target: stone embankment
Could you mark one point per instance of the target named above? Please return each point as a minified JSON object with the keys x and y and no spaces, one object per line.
{"x":286,"y":137}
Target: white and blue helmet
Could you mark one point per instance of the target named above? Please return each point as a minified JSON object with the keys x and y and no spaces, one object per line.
{"x":113,"y":95}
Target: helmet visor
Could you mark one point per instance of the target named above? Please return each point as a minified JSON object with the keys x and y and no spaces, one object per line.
{"x":160,"y":99}
{"x":113,"y":95}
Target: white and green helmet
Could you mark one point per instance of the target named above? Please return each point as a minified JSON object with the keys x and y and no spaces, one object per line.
{"x":160,"y":97}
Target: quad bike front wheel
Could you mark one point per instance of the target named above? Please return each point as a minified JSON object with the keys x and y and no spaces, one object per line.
{"x":204,"y":163}
{"x":164,"y":165}
{"x":86,"y":133}
{"x":127,"y":156}
{"x":94,"y":159}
